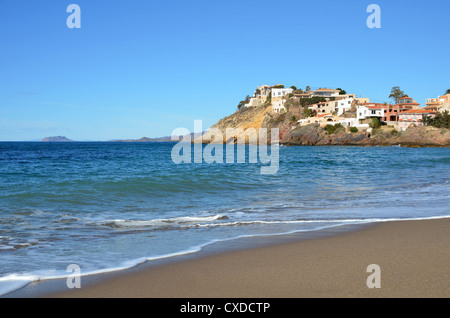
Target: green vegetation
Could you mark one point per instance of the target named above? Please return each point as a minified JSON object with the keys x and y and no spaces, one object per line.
{"x":442,"y":120}
{"x":279,"y":86}
{"x":447,"y":91}
{"x":396,"y":94}
{"x":309,"y":101}
{"x":293,"y":118}
{"x":341,"y":91}
{"x":353,"y":129}
{"x":308,"y":112}
{"x":268,"y":99}
{"x":243,"y":102}
{"x":331,"y":129}
{"x":375,"y":123}
{"x":293,"y":88}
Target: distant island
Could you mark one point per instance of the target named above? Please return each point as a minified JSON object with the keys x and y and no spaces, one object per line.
{"x":56,"y":139}
{"x":143,"y":139}
{"x":159,"y":139}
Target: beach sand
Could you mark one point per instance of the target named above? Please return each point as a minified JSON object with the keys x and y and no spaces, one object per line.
{"x":413,"y":257}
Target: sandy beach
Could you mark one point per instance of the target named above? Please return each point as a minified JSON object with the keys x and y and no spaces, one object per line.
{"x":413,"y":259}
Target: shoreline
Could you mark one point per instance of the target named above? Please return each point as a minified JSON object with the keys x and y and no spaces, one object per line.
{"x":268,"y":266}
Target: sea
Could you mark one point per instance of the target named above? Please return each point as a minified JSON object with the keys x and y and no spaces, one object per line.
{"x":107,"y":206}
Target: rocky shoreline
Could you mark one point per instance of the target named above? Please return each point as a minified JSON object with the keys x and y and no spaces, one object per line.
{"x":314,"y":135}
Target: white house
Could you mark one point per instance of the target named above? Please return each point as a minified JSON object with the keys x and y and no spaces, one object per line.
{"x":344,"y":105}
{"x":278,"y":98}
{"x":365,"y":112}
{"x":351,"y":122}
{"x":325,"y":92}
{"x":280,"y":92}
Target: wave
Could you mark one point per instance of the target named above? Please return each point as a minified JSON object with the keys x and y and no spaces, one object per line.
{"x":16,"y":281}
{"x":177,"y":221}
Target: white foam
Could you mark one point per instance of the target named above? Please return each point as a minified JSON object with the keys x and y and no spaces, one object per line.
{"x":14,"y":282}
{"x":164,"y":222}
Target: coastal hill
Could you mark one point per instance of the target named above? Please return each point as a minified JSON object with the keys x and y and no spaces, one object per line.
{"x":247,"y":117}
{"x":292,"y":134}
{"x":56,"y":139}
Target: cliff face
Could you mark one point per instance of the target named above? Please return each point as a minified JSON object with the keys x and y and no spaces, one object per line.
{"x":248,"y":117}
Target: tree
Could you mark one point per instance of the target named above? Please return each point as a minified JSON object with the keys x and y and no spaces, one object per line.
{"x":308,"y":113}
{"x":447,"y":91}
{"x":243,"y":102}
{"x":375,"y":123}
{"x":308,"y":88}
{"x":257,"y":91}
{"x":341,"y":91}
{"x":396,"y":94}
{"x":293,"y":88}
{"x":279,"y":86}
{"x":441,"y":120}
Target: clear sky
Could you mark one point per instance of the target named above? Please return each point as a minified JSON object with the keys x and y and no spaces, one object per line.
{"x":143,"y":68}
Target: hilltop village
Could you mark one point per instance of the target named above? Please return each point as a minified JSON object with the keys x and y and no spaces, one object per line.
{"x":326,"y":106}
{"x":326,"y":116}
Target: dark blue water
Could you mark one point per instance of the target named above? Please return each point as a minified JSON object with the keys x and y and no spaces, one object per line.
{"x":106,"y":206}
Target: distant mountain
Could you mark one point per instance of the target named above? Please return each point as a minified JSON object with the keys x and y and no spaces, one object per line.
{"x":159,"y":139}
{"x":56,"y":139}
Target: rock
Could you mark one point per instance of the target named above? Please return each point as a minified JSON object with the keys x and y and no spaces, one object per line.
{"x":308,"y":135}
{"x":425,"y":136}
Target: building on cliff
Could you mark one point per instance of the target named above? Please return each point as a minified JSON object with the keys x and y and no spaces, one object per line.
{"x":413,"y":117}
{"x":364,"y":112}
{"x":440,"y":104}
{"x":325,"y":93}
{"x":279,"y":98}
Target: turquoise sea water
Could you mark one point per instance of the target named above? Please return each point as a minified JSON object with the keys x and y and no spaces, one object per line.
{"x":106,"y":206}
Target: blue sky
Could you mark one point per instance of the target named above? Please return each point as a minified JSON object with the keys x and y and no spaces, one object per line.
{"x":143,"y":68}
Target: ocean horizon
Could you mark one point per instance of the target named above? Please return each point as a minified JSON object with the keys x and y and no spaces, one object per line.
{"x":106,"y":206}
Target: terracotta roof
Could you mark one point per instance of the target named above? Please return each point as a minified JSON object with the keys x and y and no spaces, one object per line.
{"x":408,"y":103}
{"x":418,"y":111}
{"x":323,"y":115}
{"x":326,"y":89}
{"x":404,"y":97}
{"x":375,"y":104}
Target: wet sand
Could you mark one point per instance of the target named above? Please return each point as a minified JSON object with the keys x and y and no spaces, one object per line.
{"x":413,"y":258}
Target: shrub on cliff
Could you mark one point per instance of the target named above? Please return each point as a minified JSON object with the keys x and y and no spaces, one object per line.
{"x":331,"y":129}
{"x":375,"y":123}
{"x":353,"y":129}
{"x":442,"y":120}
